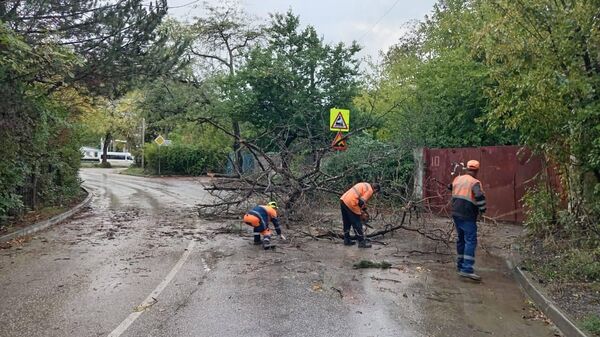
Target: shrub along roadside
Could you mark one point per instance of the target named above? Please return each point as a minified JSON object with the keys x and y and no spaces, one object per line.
{"x":183,"y":159}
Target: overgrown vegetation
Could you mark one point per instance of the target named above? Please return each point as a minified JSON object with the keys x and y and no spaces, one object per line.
{"x":61,"y":61}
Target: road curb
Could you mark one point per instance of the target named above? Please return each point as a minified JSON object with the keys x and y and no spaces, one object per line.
{"x":36,"y":227}
{"x":562,"y":322}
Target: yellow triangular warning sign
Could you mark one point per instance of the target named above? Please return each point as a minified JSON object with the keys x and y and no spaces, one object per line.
{"x":339,"y":119}
{"x":339,"y":122}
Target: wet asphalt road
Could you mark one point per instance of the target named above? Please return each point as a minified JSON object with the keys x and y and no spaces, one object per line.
{"x":138,"y":262}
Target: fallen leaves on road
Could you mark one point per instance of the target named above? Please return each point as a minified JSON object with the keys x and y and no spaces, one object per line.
{"x":144,"y":306}
{"x":15,"y":242}
{"x":533,"y":314}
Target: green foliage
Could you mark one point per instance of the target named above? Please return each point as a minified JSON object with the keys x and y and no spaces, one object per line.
{"x":544,"y":59}
{"x":53,"y":56}
{"x":371,"y":160}
{"x":430,"y":89}
{"x":592,"y":324}
{"x":184,"y":159}
{"x":583,"y":265}
{"x":287,"y":86}
{"x":562,"y":264}
{"x":541,"y":206}
{"x":40,"y":158}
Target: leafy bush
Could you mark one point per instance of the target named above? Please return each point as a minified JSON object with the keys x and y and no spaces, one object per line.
{"x":540,"y":206}
{"x":184,"y":159}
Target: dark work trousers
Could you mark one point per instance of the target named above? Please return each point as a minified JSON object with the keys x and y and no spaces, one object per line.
{"x":350,"y":219}
{"x":466,"y":244}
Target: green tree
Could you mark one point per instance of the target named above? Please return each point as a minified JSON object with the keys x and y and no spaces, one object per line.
{"x":223,"y":38}
{"x":544,"y":57}
{"x":431,"y":86}
{"x":287,"y":87}
{"x":40,"y":157}
{"x":53,"y":55}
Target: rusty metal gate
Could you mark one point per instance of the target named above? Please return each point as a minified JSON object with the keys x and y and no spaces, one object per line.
{"x":506,"y":172}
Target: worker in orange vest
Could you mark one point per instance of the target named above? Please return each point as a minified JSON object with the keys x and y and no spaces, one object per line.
{"x":353,"y":203}
{"x":468,"y":200}
{"x":259,"y":218}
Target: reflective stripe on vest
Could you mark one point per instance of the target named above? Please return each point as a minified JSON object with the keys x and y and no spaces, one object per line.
{"x":462,"y":188}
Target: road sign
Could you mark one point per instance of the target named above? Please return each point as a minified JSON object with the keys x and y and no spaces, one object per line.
{"x":159,"y":140}
{"x":339,"y":120}
{"x":339,"y":143}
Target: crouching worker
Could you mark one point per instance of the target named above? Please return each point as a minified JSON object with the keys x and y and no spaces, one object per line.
{"x":259,"y":218}
{"x":352,"y":203}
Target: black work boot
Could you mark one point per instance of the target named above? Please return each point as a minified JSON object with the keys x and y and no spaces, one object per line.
{"x":364,"y":244}
{"x":347,"y":240}
{"x":266,"y":243}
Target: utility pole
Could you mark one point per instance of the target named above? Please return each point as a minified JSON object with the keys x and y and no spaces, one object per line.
{"x":143,"y":139}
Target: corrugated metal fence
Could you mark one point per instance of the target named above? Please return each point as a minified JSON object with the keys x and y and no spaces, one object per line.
{"x":506,"y":172}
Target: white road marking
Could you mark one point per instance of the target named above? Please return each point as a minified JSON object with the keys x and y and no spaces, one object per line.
{"x":151,"y":299}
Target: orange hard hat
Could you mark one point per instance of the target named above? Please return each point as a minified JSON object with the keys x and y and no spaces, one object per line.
{"x":473,"y":165}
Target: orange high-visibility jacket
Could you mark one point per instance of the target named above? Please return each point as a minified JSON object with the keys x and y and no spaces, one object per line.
{"x":362,"y":191}
{"x":462,"y":188}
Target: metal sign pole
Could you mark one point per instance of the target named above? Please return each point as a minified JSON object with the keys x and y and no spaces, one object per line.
{"x":159,"y":160}
{"x":143,"y":139}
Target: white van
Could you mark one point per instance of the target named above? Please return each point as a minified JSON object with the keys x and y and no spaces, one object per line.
{"x":89,"y":154}
{"x":118,"y":158}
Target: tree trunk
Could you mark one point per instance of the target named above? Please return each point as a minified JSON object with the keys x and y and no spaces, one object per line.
{"x":107,"y":139}
{"x":238,"y":162}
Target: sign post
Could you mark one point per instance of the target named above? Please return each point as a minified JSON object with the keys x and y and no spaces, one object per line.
{"x":160,"y":141}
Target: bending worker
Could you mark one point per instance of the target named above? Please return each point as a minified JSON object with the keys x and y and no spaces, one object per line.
{"x":259,"y":218}
{"x":352,"y":203}
{"x":468,"y":201}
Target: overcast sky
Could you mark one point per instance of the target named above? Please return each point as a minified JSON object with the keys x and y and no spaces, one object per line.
{"x":375,"y":24}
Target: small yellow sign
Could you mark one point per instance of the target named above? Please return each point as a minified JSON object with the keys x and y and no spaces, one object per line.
{"x":339,"y":120}
{"x":159,"y":140}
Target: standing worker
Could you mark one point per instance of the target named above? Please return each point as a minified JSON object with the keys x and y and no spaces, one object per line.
{"x":259,"y":218}
{"x":468,"y":201}
{"x":353,"y":203}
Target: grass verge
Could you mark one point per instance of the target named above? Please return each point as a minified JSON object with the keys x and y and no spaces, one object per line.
{"x":591,"y":324}
{"x":135,"y":171}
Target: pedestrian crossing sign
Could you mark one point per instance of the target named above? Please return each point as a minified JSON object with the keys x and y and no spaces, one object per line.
{"x":339,"y":120}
